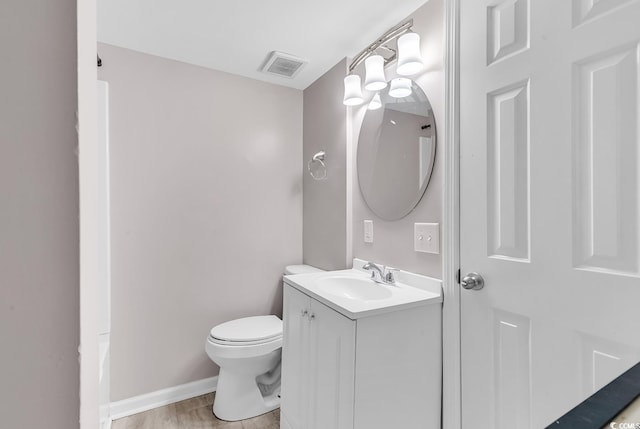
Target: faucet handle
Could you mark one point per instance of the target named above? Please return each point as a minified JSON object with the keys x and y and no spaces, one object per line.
{"x":389,"y":275}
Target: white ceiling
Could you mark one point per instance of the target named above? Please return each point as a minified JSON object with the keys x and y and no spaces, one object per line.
{"x":236,"y":36}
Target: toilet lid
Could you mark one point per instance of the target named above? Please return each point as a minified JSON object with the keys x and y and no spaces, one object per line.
{"x":248,"y":329}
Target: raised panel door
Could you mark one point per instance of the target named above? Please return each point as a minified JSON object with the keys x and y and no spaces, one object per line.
{"x":550,"y":204}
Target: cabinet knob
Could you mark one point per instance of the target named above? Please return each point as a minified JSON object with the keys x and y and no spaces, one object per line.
{"x":303,"y":313}
{"x":312,"y":316}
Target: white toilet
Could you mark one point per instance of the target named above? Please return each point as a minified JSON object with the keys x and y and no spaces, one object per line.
{"x":248,"y":352}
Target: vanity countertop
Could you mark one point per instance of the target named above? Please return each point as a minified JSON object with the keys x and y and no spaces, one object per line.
{"x":361,"y":297}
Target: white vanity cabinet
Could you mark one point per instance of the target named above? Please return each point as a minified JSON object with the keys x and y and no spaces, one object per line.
{"x":319,"y":357}
{"x":381,"y":370}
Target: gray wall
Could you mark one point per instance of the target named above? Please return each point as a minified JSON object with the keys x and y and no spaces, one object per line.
{"x":325,"y":125}
{"x":39,"y":239}
{"x":206,"y":210}
{"x":325,"y":201}
{"x":393,"y":241}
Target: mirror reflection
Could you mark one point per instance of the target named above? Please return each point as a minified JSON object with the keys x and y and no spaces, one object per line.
{"x":396,"y":152}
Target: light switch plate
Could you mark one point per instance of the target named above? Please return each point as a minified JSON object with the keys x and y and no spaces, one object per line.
{"x":426,"y":237}
{"x":368,"y":231}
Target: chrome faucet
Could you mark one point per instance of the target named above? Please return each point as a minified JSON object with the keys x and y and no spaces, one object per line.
{"x":380,"y":275}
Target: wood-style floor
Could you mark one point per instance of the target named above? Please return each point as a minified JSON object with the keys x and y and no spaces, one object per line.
{"x":195,"y":413}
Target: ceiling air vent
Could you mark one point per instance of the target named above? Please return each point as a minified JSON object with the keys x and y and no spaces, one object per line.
{"x":283,"y":65}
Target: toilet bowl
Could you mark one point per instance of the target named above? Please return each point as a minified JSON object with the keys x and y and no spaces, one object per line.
{"x":248,"y":352}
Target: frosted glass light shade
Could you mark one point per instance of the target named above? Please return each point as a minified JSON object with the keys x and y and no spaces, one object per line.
{"x":409,"y":56}
{"x":400,"y":87}
{"x":374,"y":80}
{"x":352,"y":91}
{"x":375,"y":103}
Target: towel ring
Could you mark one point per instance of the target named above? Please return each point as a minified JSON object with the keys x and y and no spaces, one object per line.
{"x":316,"y":166}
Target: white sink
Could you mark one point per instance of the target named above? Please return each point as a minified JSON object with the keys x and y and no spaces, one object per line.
{"x":355,"y":288}
{"x":353,"y":293}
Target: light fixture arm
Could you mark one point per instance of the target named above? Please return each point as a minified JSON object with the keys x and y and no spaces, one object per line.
{"x":390,"y":35}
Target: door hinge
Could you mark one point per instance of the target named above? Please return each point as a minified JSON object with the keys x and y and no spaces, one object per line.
{"x":458,"y":276}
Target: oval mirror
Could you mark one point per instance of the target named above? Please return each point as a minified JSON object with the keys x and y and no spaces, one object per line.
{"x":396,"y":151}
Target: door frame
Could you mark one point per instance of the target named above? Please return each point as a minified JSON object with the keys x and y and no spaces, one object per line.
{"x":451,"y":326}
{"x":87,"y":126}
{"x":87,"y":137}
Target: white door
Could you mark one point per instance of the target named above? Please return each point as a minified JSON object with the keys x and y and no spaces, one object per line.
{"x":550,"y":204}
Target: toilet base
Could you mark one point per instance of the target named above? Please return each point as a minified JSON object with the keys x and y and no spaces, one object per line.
{"x":238,"y":398}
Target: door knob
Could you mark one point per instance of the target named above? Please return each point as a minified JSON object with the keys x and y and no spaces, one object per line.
{"x":472,"y":281}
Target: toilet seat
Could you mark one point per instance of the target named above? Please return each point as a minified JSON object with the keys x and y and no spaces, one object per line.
{"x":246,"y":337}
{"x":247,"y":331}
{"x":238,"y":350}
{"x":243,"y":343}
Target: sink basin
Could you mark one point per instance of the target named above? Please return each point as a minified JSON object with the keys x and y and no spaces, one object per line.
{"x":354,"y":288}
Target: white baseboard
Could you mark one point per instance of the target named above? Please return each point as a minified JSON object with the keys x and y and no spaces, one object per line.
{"x":159,"y":398}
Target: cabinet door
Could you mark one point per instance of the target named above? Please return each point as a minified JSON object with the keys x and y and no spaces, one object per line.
{"x":331,"y":368}
{"x":295,"y":357}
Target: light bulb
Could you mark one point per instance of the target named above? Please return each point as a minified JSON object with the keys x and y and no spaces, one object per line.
{"x":400,"y":87}
{"x":375,"y":80}
{"x":352,"y":91}
{"x":409,"y":56}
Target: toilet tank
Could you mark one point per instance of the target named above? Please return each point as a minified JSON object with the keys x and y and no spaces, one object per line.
{"x":300,"y":269}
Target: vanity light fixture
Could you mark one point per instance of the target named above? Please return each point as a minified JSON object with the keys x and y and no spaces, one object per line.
{"x":375,"y":102}
{"x":379,"y":54}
